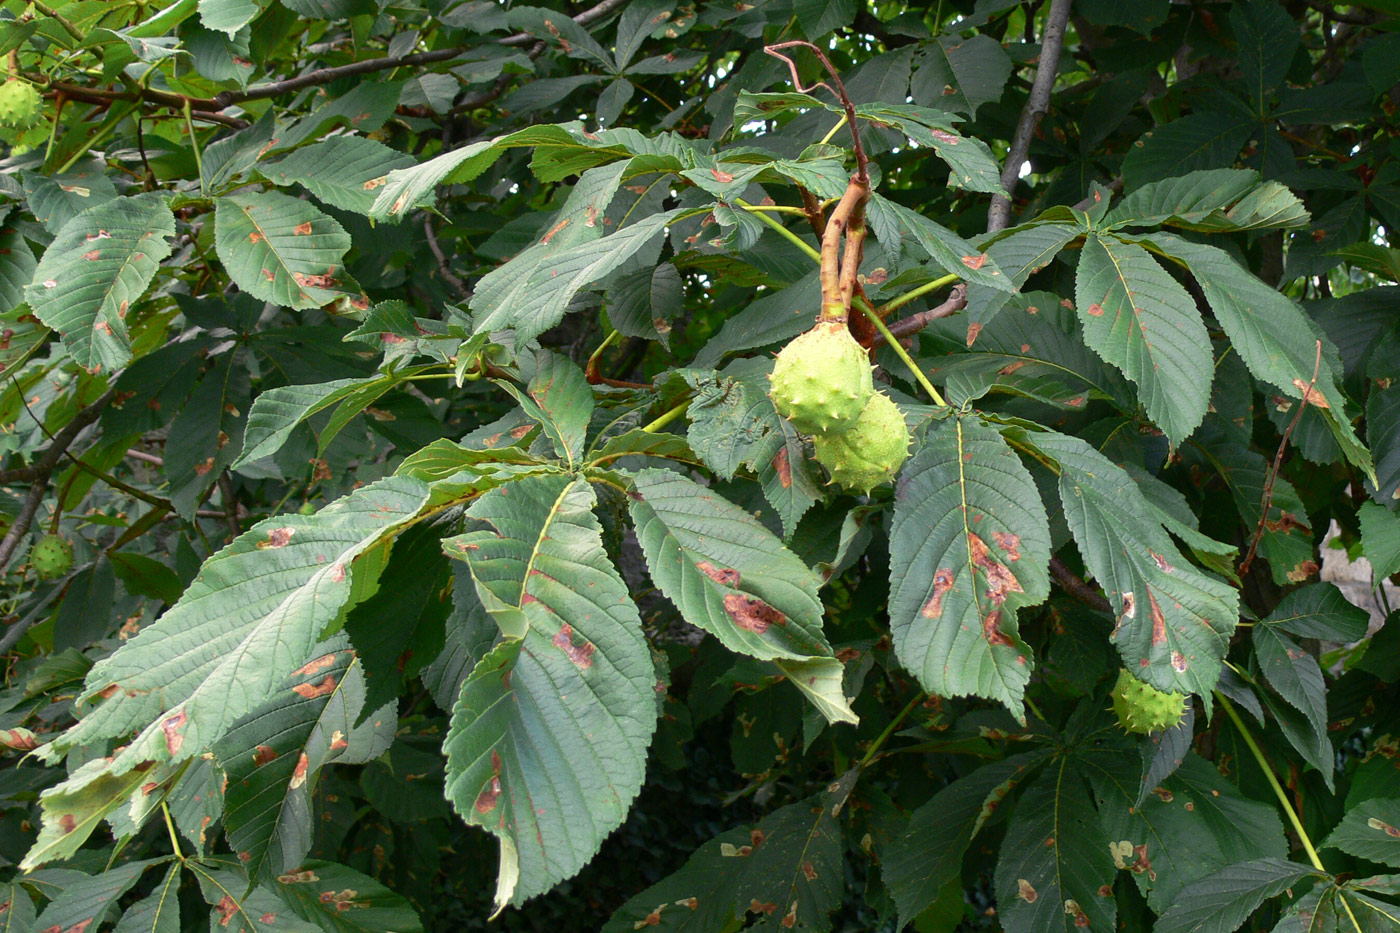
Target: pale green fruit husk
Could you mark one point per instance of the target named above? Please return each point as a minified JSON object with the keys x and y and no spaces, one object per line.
{"x":20,"y":104}
{"x":868,"y":453}
{"x":822,"y":380}
{"x":51,"y":556}
{"x":1144,"y":709}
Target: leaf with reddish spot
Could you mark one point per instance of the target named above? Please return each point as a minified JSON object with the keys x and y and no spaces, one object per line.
{"x":572,"y":676}
{"x":955,"y":591}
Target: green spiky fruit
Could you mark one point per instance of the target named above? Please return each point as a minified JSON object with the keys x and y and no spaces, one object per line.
{"x":51,"y":557}
{"x":822,"y":380}
{"x":871,"y":451}
{"x":19,"y":104}
{"x":1142,"y":708}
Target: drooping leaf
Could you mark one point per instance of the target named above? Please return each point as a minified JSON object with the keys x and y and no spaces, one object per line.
{"x":561,"y":400}
{"x":572,"y":677}
{"x":1319,"y":611}
{"x":281,"y":249}
{"x":207,"y":432}
{"x":248,"y":621}
{"x":1141,"y":320}
{"x":644,"y":303}
{"x":276,"y":412}
{"x":1297,"y":677}
{"x":1286,"y":541}
{"x":969,"y":546}
{"x":1270,"y":333}
{"x":89,"y":902}
{"x":724,"y":571}
{"x":1173,"y":621}
{"x":1203,"y":140}
{"x":950,"y":251}
{"x":157,"y":912}
{"x":272,"y":758}
{"x":96,"y":270}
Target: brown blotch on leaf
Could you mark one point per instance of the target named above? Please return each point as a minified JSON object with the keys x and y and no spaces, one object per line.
{"x":263,"y":754}
{"x":752,"y":614}
{"x":1008,"y":542}
{"x":67,"y":823}
{"x":490,"y":793}
{"x":315,"y":665}
{"x":1001,"y":582}
{"x":325,"y":280}
{"x":278,"y":537}
{"x":299,"y":772}
{"x":973,"y":331}
{"x":723,"y":178}
{"x":975,"y":262}
{"x":725,"y":576}
{"x":942,"y":583}
{"x":580,"y":655}
{"x":256,"y":237}
{"x":326,"y":685}
{"x":302,"y":229}
{"x":783,"y":468}
{"x":1159,"y":621}
{"x":1311,"y":395}
{"x":991,"y":630}
{"x":944,"y":136}
{"x":761,"y":907}
{"x":171,"y":726}
{"x":554,"y":229}
{"x":1025,"y":891}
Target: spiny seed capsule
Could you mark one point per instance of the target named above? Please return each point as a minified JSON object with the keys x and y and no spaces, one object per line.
{"x":19,"y":104}
{"x":51,"y":556}
{"x":1142,"y":708}
{"x":871,"y":451}
{"x":822,"y":380}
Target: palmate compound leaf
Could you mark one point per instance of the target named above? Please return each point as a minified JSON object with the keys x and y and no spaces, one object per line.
{"x":157,"y":912}
{"x":1173,"y":621}
{"x":250,"y":618}
{"x":548,"y":742}
{"x":272,"y":757}
{"x":785,"y":873}
{"x":1271,"y":334}
{"x":1141,"y":320}
{"x":95,"y":270}
{"x":969,"y":545}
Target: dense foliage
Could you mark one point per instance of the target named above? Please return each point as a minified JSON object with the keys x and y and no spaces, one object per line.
{"x":400,"y":529}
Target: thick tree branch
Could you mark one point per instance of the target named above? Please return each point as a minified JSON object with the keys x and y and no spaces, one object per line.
{"x":43,"y":469}
{"x":1077,"y":588}
{"x":1037,"y":105}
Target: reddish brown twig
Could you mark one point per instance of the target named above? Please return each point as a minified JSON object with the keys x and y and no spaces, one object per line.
{"x":911,"y":325}
{"x":839,"y":92}
{"x":1267,"y":501}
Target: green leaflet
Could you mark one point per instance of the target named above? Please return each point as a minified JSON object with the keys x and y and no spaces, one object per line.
{"x":1369,"y":832}
{"x":573,"y":676}
{"x":969,"y":546}
{"x":96,"y":270}
{"x":1270,"y":333}
{"x":1186,"y":828}
{"x":1055,"y":870}
{"x":281,"y":249}
{"x":1141,"y":320}
{"x":1173,"y":621}
{"x":725,"y":572}
{"x":1223,"y":901}
{"x":272,"y":757}
{"x":929,"y":852}
{"x":248,"y":620}
{"x":342,"y":171}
